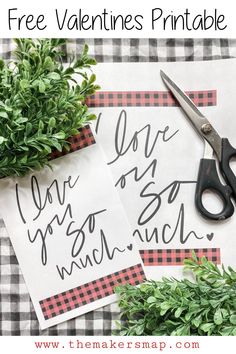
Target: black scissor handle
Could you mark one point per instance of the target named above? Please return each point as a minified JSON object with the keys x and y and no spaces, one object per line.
{"x":227,"y":153}
{"x":208,"y":179}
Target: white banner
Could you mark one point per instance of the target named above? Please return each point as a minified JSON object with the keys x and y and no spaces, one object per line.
{"x":167,"y":345}
{"x":106,"y":19}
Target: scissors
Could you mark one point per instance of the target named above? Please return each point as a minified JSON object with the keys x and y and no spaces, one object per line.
{"x":208,"y":176}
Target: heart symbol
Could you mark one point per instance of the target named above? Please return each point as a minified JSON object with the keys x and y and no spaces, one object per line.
{"x":130,"y":247}
{"x":210,"y":236}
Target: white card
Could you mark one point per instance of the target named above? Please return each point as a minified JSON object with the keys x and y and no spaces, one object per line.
{"x":70,"y":233}
{"x":154,"y":154}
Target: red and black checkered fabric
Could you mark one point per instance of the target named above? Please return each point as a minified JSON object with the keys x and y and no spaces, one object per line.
{"x":148,"y":98}
{"x":90,"y":292}
{"x":83,"y":139}
{"x":167,"y":257}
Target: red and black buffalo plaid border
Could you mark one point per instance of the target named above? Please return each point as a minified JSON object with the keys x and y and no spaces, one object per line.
{"x":83,"y":139}
{"x":90,"y":292}
{"x":167,"y":257}
{"x":148,"y":98}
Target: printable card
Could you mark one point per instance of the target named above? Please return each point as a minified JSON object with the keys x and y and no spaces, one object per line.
{"x":154,"y":154}
{"x":70,"y":233}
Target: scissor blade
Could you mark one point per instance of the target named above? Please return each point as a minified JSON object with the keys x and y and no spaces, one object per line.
{"x":208,"y":151}
{"x":194,"y":115}
{"x":187,"y":105}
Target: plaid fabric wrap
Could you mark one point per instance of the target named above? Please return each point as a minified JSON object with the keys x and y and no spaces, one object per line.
{"x":167,"y":257}
{"x":143,"y":49}
{"x":90,"y":292}
{"x":148,"y":99}
{"x":83,"y":139}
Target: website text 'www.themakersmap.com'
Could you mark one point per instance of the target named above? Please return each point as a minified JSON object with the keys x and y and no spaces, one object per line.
{"x":116,"y":344}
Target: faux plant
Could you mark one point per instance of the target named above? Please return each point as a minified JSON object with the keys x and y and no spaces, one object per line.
{"x":206,"y":306}
{"x":41,"y":103}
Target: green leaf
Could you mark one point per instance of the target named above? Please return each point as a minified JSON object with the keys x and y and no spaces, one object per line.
{"x":7,"y":108}
{"x":151,"y":300}
{"x":189,"y":315}
{"x":226,"y":331}
{"x":206,"y":327}
{"x":74,"y":131}
{"x":194,"y":257}
{"x":69,"y":71}
{"x":1,"y":64}
{"x":47,"y":148}
{"x":204,"y":261}
{"x":92,"y":78}
{"x":139,"y":330}
{"x":218,"y":319}
{"x":48,"y":63}
{"x":224,"y":313}
{"x":42,"y":87}
{"x":178,"y":312}
{"x":56,"y":145}
{"x":91,"y":61}
{"x":54,"y":76}
{"x":26,"y":64}
{"x":233,"y":319}
{"x":197,"y":321}
{"x":165,"y":306}
{"x":91,"y":117}
{"x":2,"y":140}
{"x":52,"y":122}
{"x":24,"y":159}
{"x":3,"y":115}
{"x":59,"y":135}
{"x":214,"y":303}
{"x":41,"y":126}
{"x":24,"y":84}
{"x":21,"y":120}
{"x":85,"y":49}
{"x":181,"y":331}
{"x":28,"y":128}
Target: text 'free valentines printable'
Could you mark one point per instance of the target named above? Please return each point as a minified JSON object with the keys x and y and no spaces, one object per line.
{"x":70,"y":233}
